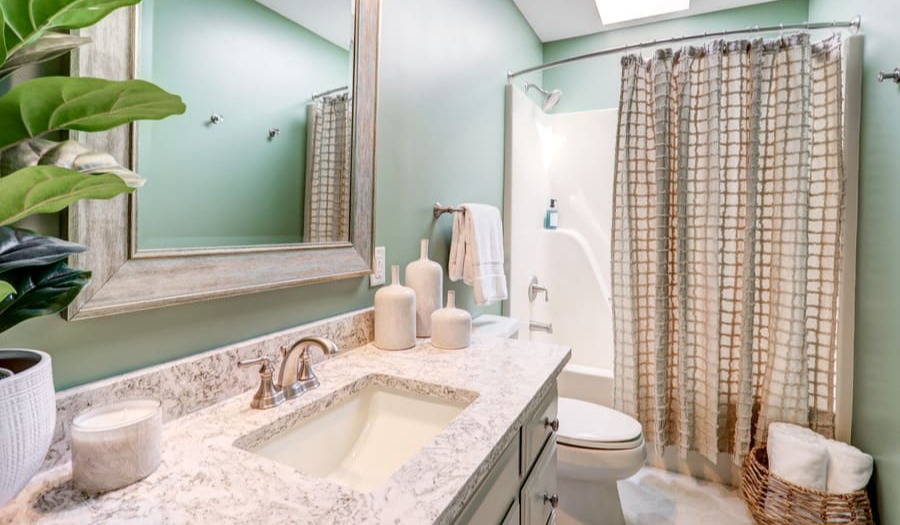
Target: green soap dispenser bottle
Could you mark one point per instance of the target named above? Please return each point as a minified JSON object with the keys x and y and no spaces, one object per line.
{"x":551,"y":219}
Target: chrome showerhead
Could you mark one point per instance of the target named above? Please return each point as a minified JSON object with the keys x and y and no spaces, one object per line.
{"x":551,"y":98}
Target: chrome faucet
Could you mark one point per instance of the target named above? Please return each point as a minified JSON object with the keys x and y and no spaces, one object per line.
{"x":534,"y":289}
{"x":297,"y":378}
{"x":267,"y":395}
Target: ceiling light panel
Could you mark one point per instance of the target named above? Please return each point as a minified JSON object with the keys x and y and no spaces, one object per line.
{"x":615,"y":11}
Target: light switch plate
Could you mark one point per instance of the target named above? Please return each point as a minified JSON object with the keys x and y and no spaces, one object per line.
{"x":376,"y":278}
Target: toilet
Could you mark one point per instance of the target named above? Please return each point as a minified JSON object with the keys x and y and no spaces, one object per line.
{"x":596,"y":448}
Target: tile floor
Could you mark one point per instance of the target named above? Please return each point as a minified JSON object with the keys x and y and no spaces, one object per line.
{"x":658,"y":497}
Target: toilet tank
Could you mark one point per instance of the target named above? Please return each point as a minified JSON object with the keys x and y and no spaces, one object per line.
{"x":488,"y":325}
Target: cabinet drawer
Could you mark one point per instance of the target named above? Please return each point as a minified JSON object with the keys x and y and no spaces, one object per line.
{"x":496,"y":493}
{"x":536,"y":430}
{"x":538,"y":495}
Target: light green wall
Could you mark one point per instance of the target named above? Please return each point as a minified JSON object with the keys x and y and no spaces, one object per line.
{"x":226,"y":173}
{"x":876,"y":418}
{"x":594,"y":84}
{"x":440,"y":137}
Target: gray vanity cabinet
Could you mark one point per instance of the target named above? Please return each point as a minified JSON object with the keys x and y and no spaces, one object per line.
{"x":521,"y":488}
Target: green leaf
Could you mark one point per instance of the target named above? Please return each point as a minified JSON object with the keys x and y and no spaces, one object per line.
{"x":68,"y":154}
{"x":43,"y":49}
{"x":20,"y":248}
{"x":6,"y":290}
{"x":41,"y":290}
{"x":25,"y":21}
{"x":47,"y":104}
{"x":48,"y":189}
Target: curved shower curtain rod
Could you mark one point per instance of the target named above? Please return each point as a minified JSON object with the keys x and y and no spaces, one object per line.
{"x":853,"y":25}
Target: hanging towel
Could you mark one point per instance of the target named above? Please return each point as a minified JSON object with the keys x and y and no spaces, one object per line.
{"x":476,"y":252}
{"x":849,"y":468}
{"x":798,"y":455}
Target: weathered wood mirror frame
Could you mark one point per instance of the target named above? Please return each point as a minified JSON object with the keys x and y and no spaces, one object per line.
{"x":125,"y":280}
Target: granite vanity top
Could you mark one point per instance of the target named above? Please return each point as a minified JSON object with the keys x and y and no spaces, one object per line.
{"x":205,"y":479}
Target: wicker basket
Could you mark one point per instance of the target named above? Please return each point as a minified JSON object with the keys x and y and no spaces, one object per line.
{"x":774,"y":501}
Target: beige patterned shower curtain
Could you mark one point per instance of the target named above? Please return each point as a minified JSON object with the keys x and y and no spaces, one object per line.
{"x":328,"y":166}
{"x":727,"y":240}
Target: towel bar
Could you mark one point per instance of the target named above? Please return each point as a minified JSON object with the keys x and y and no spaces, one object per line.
{"x":440,"y":210}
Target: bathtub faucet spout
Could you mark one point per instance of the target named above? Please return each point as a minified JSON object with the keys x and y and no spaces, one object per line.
{"x":538,"y":326}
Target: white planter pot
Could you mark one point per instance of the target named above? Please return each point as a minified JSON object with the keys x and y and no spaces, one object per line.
{"x":27,"y":417}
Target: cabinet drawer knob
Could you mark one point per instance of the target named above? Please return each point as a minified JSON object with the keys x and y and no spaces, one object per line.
{"x":552,"y":499}
{"x":552,"y":424}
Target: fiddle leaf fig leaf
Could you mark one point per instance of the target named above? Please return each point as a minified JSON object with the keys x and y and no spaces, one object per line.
{"x":40,"y":290}
{"x":25,"y":21}
{"x":48,"y":189}
{"x":6,"y":290}
{"x":47,"y":104}
{"x":69,"y":154}
{"x":43,"y":49}
{"x":21,"y":248}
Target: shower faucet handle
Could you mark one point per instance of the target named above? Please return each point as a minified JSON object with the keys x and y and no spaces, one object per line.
{"x":534,"y":289}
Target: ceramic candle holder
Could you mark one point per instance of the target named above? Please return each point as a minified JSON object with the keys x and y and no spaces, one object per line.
{"x":115,"y":445}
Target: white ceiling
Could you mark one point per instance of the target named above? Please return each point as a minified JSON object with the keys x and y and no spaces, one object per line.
{"x":558,"y":19}
{"x":330,"y":19}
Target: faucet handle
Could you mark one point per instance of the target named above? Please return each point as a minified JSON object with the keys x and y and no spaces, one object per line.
{"x":266,"y":396}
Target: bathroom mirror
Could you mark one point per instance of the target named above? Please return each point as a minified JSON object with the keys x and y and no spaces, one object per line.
{"x":260,"y":185}
{"x":262,"y":155}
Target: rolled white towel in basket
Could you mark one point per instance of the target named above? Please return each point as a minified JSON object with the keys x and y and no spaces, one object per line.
{"x":849,"y":468}
{"x":798,"y":455}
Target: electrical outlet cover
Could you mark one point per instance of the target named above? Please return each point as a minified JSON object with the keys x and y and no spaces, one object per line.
{"x":376,"y":278}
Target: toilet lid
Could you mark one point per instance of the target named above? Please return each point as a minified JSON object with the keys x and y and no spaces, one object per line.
{"x":589,"y":425}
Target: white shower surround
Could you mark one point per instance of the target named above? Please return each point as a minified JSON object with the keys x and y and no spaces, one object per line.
{"x":567,"y":157}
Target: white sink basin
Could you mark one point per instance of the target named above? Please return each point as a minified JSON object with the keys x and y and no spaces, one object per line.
{"x":363,"y":439}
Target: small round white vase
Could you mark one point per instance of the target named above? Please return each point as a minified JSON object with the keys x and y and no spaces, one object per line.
{"x":425,"y":277}
{"x":395,"y":315}
{"x":27,"y":417}
{"x":451,"y":327}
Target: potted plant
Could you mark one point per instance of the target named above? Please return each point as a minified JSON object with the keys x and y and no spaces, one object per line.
{"x":39,"y":175}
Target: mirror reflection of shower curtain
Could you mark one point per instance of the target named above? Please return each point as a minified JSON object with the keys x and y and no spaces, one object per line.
{"x":328,"y":170}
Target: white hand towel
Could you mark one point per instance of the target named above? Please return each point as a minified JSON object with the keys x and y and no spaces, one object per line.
{"x":849,"y":468}
{"x":798,"y":455}
{"x":476,"y":252}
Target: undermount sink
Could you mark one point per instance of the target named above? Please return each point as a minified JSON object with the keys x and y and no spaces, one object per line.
{"x":363,"y":437}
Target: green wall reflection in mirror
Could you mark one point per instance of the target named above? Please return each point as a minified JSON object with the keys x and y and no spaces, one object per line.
{"x":255,"y":67}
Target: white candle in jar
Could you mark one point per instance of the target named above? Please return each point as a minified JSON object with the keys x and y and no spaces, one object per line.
{"x":115,"y":445}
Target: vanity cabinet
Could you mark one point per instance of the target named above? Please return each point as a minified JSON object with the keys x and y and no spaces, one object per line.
{"x":521,"y":488}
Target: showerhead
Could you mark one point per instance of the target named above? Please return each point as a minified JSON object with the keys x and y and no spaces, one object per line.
{"x":551,"y":98}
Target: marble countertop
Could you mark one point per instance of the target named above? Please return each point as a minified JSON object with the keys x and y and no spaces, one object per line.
{"x":205,"y":479}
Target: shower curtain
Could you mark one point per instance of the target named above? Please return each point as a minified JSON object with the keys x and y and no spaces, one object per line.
{"x":727,"y":241}
{"x":328,"y":170}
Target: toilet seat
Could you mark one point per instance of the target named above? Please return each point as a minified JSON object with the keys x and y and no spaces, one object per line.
{"x":588,"y":425}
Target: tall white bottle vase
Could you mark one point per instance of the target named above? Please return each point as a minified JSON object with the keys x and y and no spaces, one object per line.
{"x":451,"y":326}
{"x":395,"y":315}
{"x":426,"y":278}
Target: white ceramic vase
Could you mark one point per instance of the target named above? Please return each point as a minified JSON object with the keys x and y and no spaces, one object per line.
{"x":451,"y":327}
{"x":395,"y":315}
{"x":27,"y":417}
{"x":426,"y":278}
